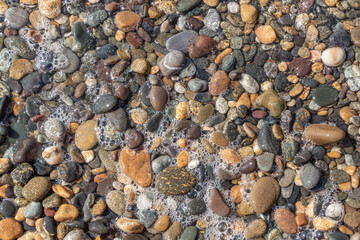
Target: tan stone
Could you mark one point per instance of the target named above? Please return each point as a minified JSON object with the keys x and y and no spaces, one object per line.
{"x":265,"y":34}
{"x":66,"y":212}
{"x":85,"y":136}
{"x":322,"y":134}
{"x":324,"y":224}
{"x":20,"y":68}
{"x":10,"y":229}
{"x":50,"y":8}
{"x":230,"y":156}
{"x":127,"y":20}
{"x":136,"y":165}
{"x":129,"y":225}
{"x":248,"y":13}
{"x":162,"y":224}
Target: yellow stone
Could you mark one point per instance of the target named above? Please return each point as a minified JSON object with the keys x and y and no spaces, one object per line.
{"x":346,"y":113}
{"x":324,"y":224}
{"x":85,"y":136}
{"x":182,"y":111}
{"x":211,"y":3}
{"x":230,"y":157}
{"x":19,"y":68}
{"x":183,"y":159}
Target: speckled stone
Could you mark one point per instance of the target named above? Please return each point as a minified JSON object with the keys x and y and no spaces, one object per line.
{"x":174,"y":181}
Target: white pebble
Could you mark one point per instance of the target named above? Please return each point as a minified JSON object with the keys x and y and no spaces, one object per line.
{"x":221,"y":105}
{"x":53,"y":155}
{"x":179,"y":87}
{"x":333,"y":57}
{"x":355,"y":236}
{"x":88,"y":155}
{"x":334,"y":210}
{"x":193,"y":164}
{"x":266,"y":86}
{"x":249,"y":83}
{"x":233,"y":7}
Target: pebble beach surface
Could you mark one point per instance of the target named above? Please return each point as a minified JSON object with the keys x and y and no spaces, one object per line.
{"x":179,"y":119}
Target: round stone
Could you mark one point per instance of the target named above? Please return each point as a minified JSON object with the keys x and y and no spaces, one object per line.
{"x":16,"y":17}
{"x":158,"y":98}
{"x":218,"y":83}
{"x":285,"y":219}
{"x":36,"y":189}
{"x":85,"y":136}
{"x":10,"y":229}
{"x":55,"y":130}
{"x":333,"y":57}
{"x":133,"y":138}
{"x":264,"y":194}
{"x":265,"y":34}
{"x":127,"y":20}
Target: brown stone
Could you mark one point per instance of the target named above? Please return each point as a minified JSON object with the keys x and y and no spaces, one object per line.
{"x":265,"y":34}
{"x":162,"y":224}
{"x":352,"y":219}
{"x":136,"y":165}
{"x":322,"y":134}
{"x":174,"y":231}
{"x":85,"y":136}
{"x":134,"y":40}
{"x":158,"y":98}
{"x":355,"y":35}
{"x":218,"y":83}
{"x":19,"y":68}
{"x":230,"y":156}
{"x":263,"y":194}
{"x":129,"y":225}
{"x":202,"y":46}
{"x":80,"y":90}
{"x":112,"y":7}
{"x":10,"y":229}
{"x":217,"y":204}
{"x":219,"y":139}
{"x":127,"y":20}
{"x":66,"y":212}
{"x":122,"y":92}
{"x":255,"y":229}
{"x":285,"y":219}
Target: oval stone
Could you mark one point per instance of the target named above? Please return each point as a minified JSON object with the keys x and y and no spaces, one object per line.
{"x":174,"y":181}
{"x":322,"y":134}
{"x":264,"y":194}
{"x":333,"y":57}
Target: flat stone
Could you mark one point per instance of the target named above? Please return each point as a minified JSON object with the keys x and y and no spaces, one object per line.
{"x":285,"y":219}
{"x":265,"y":161}
{"x":217,"y":204}
{"x":85,"y":136}
{"x":181,"y":41}
{"x":115,"y":200}
{"x":264,"y":194}
{"x":196,"y":206}
{"x":272,"y":102}
{"x":36,"y":189}
{"x":324,"y":95}
{"x":310,"y":176}
{"x":322,"y":134}
{"x":174,"y":181}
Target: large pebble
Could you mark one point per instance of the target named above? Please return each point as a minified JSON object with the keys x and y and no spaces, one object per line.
{"x":115,"y":200}
{"x":333,"y":57}
{"x":10,"y":229}
{"x":85,"y":135}
{"x":202,"y":46}
{"x":322,"y":134}
{"x":271,"y":101}
{"x":285,"y":219}
{"x":127,"y":20}
{"x":310,"y":176}
{"x":218,"y":83}
{"x":16,"y":17}
{"x":174,"y":181}
{"x":264,"y":194}
{"x":217,"y":204}
{"x":171,"y":63}
{"x":36,"y":189}
{"x":158,"y":98}
{"x":181,"y":41}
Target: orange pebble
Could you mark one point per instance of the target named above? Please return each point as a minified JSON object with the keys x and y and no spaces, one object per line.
{"x":265,"y":34}
{"x":99,"y":178}
{"x":301,"y":219}
{"x":183,"y":159}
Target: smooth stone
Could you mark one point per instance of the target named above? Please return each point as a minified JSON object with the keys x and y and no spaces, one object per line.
{"x":19,"y":46}
{"x":288,"y":178}
{"x":285,"y":219}
{"x":174,"y":181}
{"x":153,"y":123}
{"x":264,"y":194}
{"x":10,"y":229}
{"x":270,"y":100}
{"x":310,"y":176}
{"x":82,"y":36}
{"x":324,"y":95}
{"x":181,"y":41}
{"x":334,"y":210}
{"x":77,"y":234}
{"x":118,"y":119}
{"x":133,"y":138}
{"x":218,"y":83}
{"x":255,"y":229}
{"x":27,"y":150}
{"x":49,"y":225}
{"x":129,"y":225}
{"x":115,"y":200}
{"x":265,"y":161}
{"x":136,"y":165}
{"x":16,"y":17}
{"x":202,"y":46}
{"x":212,"y":20}
{"x":85,"y":136}
{"x":337,"y":236}
{"x":174,"y":231}
{"x":160,"y":163}
{"x":183,"y":124}
{"x":186,"y":5}
{"x":302,"y":157}
{"x":321,"y":134}
{"x":107,"y":160}
{"x":158,"y":98}
{"x":33,"y":210}
{"x":196,"y":206}
{"x":289,"y":148}
{"x":197,"y":85}
{"x":55,"y":130}
{"x":7,"y":209}
{"x":217,"y":204}
{"x":96,"y":18}
{"x":72,"y":61}
{"x":148,"y":218}
{"x":36,"y":189}
{"x":105,"y":103}
{"x":333,"y":57}
{"x":205,"y":113}
{"x":248,"y":166}
{"x":249,"y":83}
{"x":171,"y":63}
{"x":194,"y":132}
{"x":99,"y":226}
{"x":69,"y":171}
{"x":267,"y":141}
{"x":32,"y":82}
{"x":145,"y":93}
{"x":127,"y":21}
{"x":22,"y":173}
{"x":339,"y":176}
{"x":300,"y":67}
{"x":190,"y":233}
{"x":228,"y":63}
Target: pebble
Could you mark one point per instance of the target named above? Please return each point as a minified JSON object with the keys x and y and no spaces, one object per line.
{"x":16,"y":17}
{"x":219,"y":139}
{"x":310,"y":176}
{"x":249,"y":83}
{"x":333,"y":57}
{"x":105,"y":103}
{"x":218,"y":83}
{"x":158,"y":98}
{"x":255,"y":229}
{"x":10,"y":229}
{"x":264,"y":194}
{"x":324,"y":95}
{"x":85,"y":136}
{"x":162,"y":223}
{"x":322,"y":134}
{"x":127,"y":21}
{"x":181,"y":41}
{"x":36,"y":189}
{"x":190,"y":233}
{"x":129,"y":225}
{"x":265,"y":161}
{"x":285,"y":219}
{"x":196,"y":206}
{"x":55,"y":130}
{"x":133,"y":138}
{"x":174,"y":181}
{"x":118,"y":119}
{"x":272,"y":102}
{"x":7,"y":208}
{"x":136,"y":165}
{"x":33,"y":210}
{"x":115,"y":200}
{"x":265,"y":34}
{"x":202,"y":46}
{"x":171,"y":63}
{"x":174,"y":231}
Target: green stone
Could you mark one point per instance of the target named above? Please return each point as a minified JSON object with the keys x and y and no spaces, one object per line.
{"x":271,"y":100}
{"x":289,"y":148}
{"x":175,"y":181}
{"x":324,"y":95}
{"x":339,"y":176}
{"x":205,"y":112}
{"x":190,"y":233}
{"x":186,"y":5}
{"x":353,"y":202}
